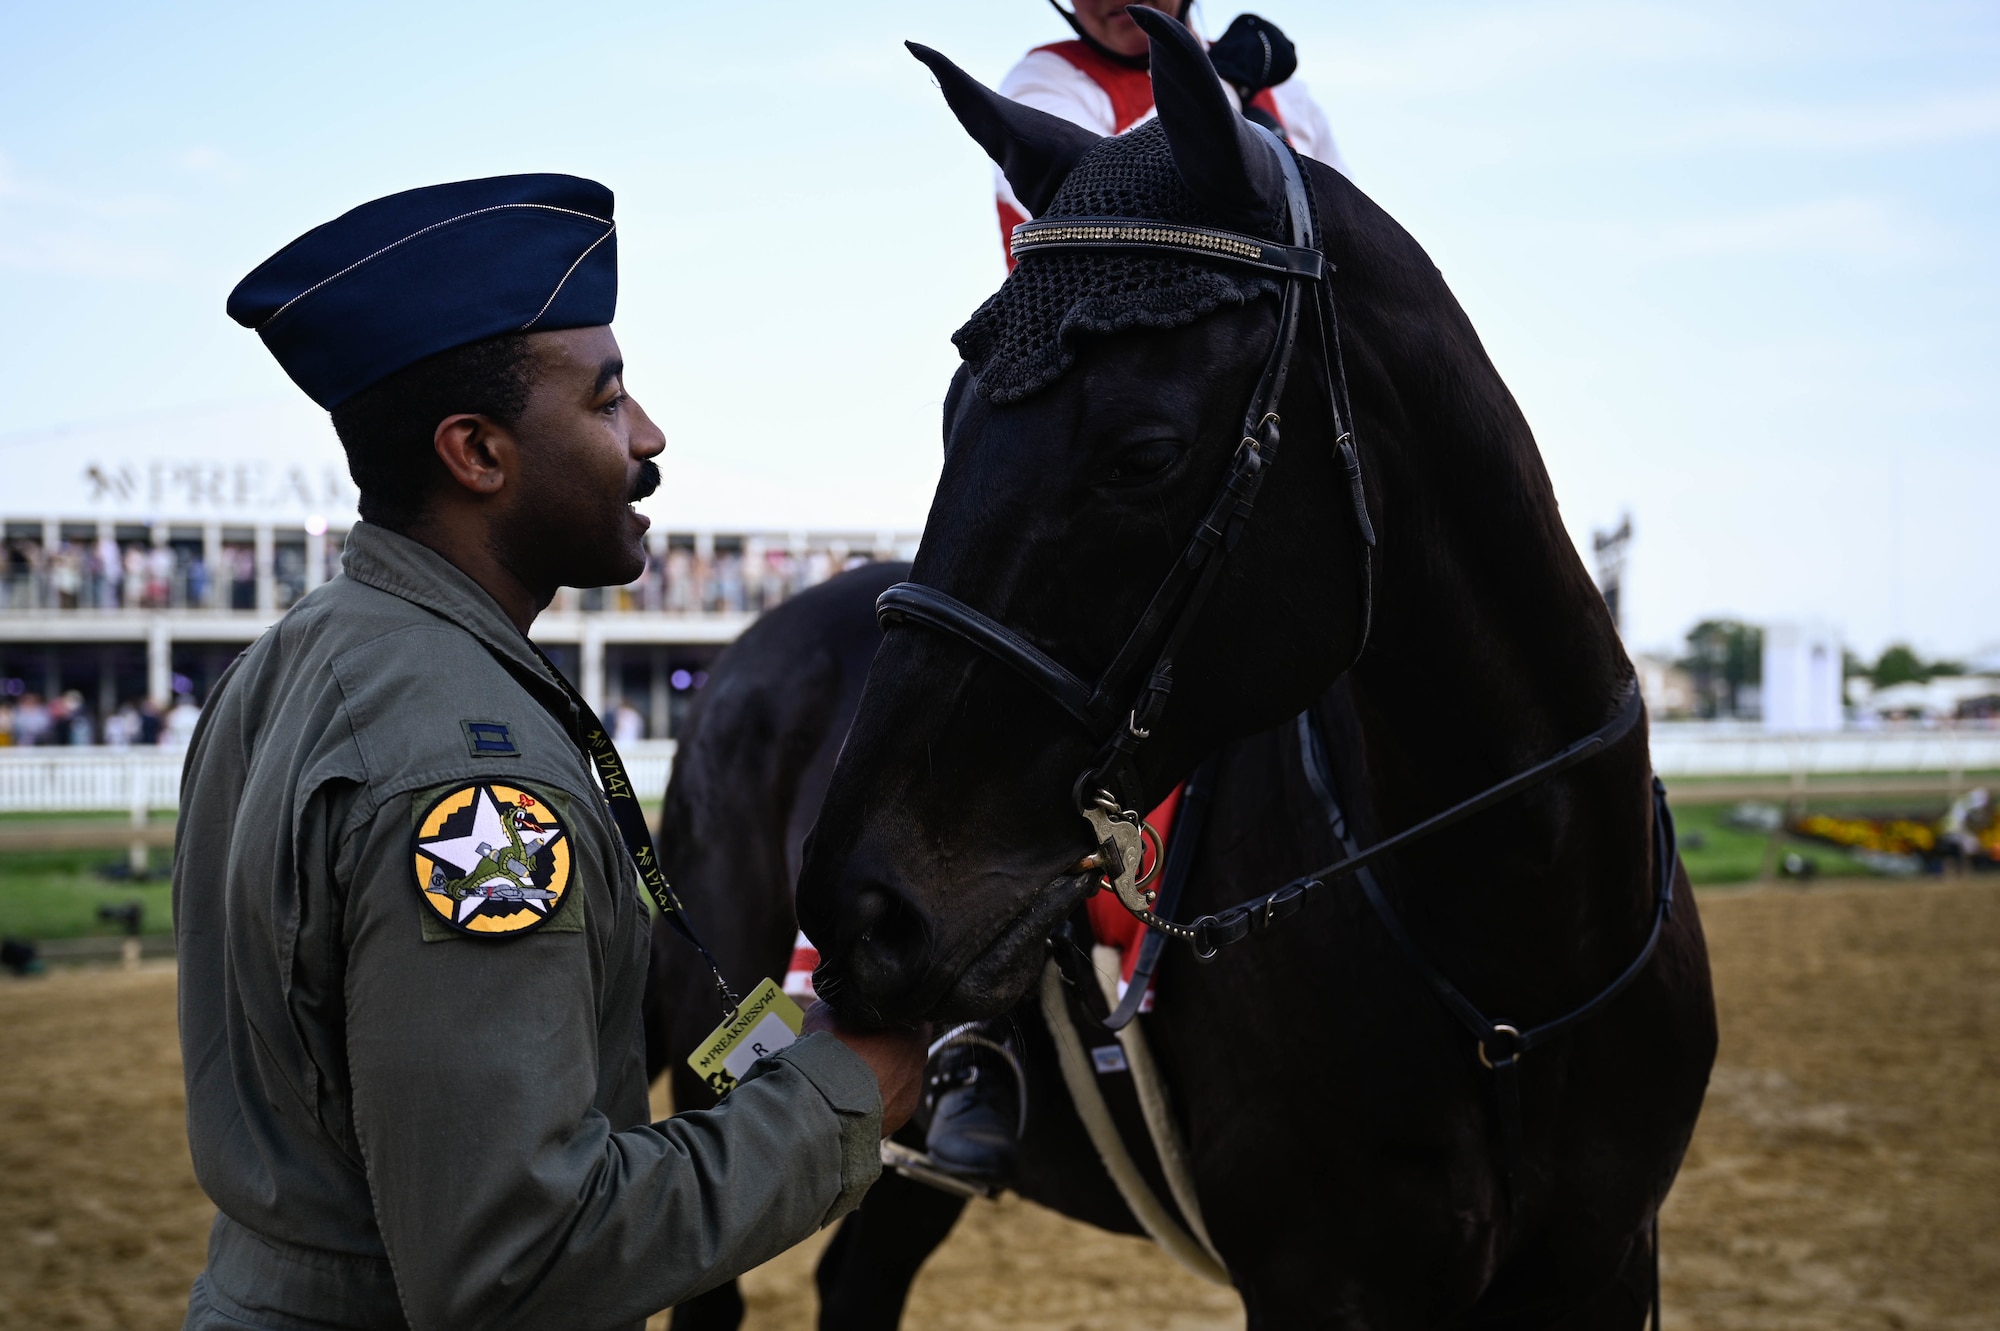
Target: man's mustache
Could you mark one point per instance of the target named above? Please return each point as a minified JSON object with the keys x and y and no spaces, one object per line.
{"x":649,"y":480}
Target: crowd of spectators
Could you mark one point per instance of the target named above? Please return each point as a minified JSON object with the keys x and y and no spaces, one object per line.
{"x":27,"y":721}
{"x":728,"y":576}
{"x":108,"y":574}
{"x":735,"y":579}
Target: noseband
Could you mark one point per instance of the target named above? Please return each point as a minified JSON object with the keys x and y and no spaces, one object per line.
{"x":1123,"y":721}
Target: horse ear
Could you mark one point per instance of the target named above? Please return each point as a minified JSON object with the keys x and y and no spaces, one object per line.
{"x":1221,"y":159}
{"x":1034,"y":149}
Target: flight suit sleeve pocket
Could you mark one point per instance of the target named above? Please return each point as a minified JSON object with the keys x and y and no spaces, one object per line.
{"x":493,"y":858}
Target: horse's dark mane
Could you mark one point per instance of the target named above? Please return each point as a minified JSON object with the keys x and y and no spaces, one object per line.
{"x":1484,"y":483}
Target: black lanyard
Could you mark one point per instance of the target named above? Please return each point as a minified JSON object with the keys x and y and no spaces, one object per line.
{"x":626,"y":811}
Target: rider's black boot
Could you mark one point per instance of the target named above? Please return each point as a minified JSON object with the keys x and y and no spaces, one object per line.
{"x":974,"y":1095}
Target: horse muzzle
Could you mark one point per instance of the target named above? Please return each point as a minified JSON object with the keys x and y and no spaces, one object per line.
{"x":892,"y":965}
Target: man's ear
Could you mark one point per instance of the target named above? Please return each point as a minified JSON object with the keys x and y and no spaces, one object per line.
{"x":478,"y":452}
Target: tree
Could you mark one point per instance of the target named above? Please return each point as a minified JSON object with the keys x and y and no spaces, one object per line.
{"x":1724,"y":655}
{"x":1900,"y":664}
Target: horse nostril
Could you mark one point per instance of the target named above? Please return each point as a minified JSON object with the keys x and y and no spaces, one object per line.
{"x":890,"y":940}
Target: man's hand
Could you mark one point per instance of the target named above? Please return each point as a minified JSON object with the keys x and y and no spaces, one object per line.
{"x":895,"y":1057}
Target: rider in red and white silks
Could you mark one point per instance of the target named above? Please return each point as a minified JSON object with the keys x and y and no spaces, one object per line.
{"x":1090,"y":82}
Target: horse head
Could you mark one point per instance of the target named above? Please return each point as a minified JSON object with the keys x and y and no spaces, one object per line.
{"x":1099,"y":420}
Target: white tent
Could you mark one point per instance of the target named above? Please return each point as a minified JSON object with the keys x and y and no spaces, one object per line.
{"x":1801,"y":685}
{"x":1938,"y":699}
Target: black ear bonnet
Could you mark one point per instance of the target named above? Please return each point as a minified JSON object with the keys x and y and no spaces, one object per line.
{"x":1027,"y":334}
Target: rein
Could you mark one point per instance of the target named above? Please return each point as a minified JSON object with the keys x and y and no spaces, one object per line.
{"x":1210,"y":933}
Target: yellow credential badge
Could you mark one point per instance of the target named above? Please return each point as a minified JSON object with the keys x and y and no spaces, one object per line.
{"x":492,"y":859}
{"x":766,"y":1022}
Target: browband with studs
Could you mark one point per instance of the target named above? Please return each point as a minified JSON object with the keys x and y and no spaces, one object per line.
{"x":1194,"y":242}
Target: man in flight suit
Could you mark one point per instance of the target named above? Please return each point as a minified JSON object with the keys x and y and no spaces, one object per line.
{"x":412,"y":940}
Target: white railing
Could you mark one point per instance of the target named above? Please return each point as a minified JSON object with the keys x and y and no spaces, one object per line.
{"x":71,"y":780}
{"x":648,"y":762}
{"x":96,"y":779}
{"x":64,"y":780}
{"x":1710,"y":748}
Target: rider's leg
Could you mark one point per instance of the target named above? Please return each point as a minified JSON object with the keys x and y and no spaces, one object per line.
{"x":974,"y":1098}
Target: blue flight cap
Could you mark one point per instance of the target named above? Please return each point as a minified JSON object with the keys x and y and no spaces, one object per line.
{"x":350,"y":303}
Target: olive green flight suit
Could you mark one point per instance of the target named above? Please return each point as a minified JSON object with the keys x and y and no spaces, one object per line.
{"x":401,"y":1124}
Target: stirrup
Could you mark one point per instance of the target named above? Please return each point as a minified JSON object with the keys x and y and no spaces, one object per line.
{"x":925,"y":1168}
{"x":914,"y":1164}
{"x":967,"y":1032}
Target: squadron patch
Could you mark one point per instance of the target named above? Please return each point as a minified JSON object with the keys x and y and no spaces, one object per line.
{"x":492,"y":859}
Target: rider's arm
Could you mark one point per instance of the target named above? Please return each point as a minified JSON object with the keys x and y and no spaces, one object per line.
{"x":504,"y":1192}
{"x":1306,"y":123}
{"x":1047,"y":82}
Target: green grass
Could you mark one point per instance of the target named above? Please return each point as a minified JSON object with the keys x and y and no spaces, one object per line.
{"x":89,"y":818}
{"x":55,"y":894}
{"x":1717,"y":854}
{"x":1718,"y":787}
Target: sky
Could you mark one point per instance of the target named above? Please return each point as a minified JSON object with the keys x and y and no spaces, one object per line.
{"x":1736,"y":260}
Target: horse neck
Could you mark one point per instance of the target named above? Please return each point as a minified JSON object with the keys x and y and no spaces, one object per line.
{"x":1492,"y":650}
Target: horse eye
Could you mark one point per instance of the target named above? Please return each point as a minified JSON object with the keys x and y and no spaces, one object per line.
{"x":1144,"y":460}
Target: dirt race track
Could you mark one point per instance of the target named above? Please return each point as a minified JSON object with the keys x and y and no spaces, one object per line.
{"x":1846,"y":1173}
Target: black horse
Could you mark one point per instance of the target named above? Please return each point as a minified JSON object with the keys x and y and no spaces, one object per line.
{"x":1345,"y":1144}
{"x":1343,"y":1134}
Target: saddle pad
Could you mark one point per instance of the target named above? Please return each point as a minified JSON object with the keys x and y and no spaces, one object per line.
{"x":799,"y":975}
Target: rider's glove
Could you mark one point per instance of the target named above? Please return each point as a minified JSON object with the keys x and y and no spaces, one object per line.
{"x":1253,"y":55}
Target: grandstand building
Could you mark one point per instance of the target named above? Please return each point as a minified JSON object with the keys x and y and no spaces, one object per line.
{"x":140,"y":558}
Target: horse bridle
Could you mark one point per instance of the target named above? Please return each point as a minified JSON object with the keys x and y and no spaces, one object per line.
{"x":1105,"y":790}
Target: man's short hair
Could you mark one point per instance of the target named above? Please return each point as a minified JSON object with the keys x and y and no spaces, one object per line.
{"x":389,"y":429}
